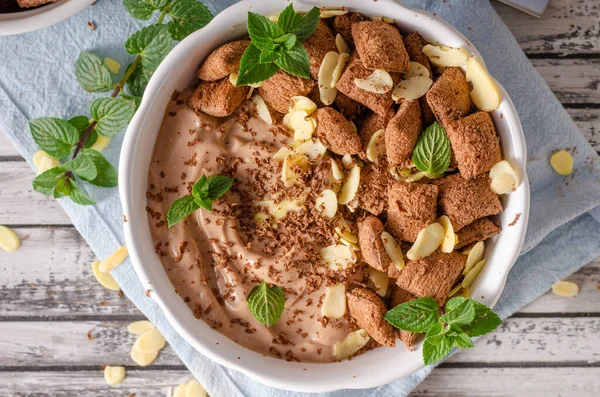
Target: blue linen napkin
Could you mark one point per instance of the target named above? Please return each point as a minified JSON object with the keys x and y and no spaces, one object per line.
{"x":36,"y":79}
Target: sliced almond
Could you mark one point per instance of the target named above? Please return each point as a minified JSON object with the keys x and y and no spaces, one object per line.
{"x":282,"y":154}
{"x":428,"y":240}
{"x":338,"y":257}
{"x":352,"y":343}
{"x":334,"y":303}
{"x":344,"y":231}
{"x":446,"y":56}
{"x":392,"y":248}
{"x":150,"y":341}
{"x":400,"y":174}
{"x":350,"y":244}
{"x":485,"y":94}
{"x":415,"y":176}
{"x":180,"y":390}
{"x":417,"y":69}
{"x":340,"y":64}
{"x":262,"y":109}
{"x":143,"y":359}
{"x":114,"y":260}
{"x":376,"y":146}
{"x":139,"y":327}
{"x":301,"y":123}
{"x":280,"y":209}
{"x":326,"y":204}
{"x":454,"y":291}
{"x":378,"y":82}
{"x":114,"y":375}
{"x":327,"y":90}
{"x":473,"y":273}
{"x":347,"y":161}
{"x":503,"y":184}
{"x":113,"y":66}
{"x":9,"y":241}
{"x":412,"y":88}
{"x":449,"y":236}
{"x":104,"y":279}
{"x":100,"y":144}
{"x":341,"y":45}
{"x":465,"y":292}
{"x":293,"y":166}
{"x":336,"y":171}
{"x":562,"y":162}
{"x":565,"y":288}
{"x":303,"y":103}
{"x":350,"y":187}
{"x":195,"y":389}
{"x":311,"y":149}
{"x":328,"y":12}
{"x":273,"y":18}
{"x":383,"y":19}
{"x":379,"y":281}
{"x":504,"y":167}
{"x":233,"y":78}
{"x":474,"y":256}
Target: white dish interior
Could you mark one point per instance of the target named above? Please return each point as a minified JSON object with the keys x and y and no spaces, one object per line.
{"x":376,"y":367}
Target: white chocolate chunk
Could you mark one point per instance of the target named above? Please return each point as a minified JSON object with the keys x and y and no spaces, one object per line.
{"x":473,"y":273}
{"x":503,"y":184}
{"x":114,"y":375}
{"x":139,"y":327}
{"x":9,"y":241}
{"x":449,"y":236}
{"x":334,"y":303}
{"x":485,"y":94}
{"x":143,"y":359}
{"x":150,"y":341}
{"x":567,"y":289}
{"x":336,"y":171}
{"x":379,"y":281}
{"x":340,"y":64}
{"x":327,"y":90}
{"x":303,"y":103}
{"x":350,"y":187}
{"x":114,"y":260}
{"x":446,"y":56}
{"x":293,"y":166}
{"x":262,"y":109}
{"x":341,"y":45}
{"x":428,"y":240}
{"x":378,"y":82}
{"x":416,"y":69}
{"x":352,"y":343}
{"x":474,"y":256}
{"x":376,"y":146}
{"x":412,"y":88}
{"x":311,"y":149}
{"x":326,"y":204}
{"x":101,"y":143}
{"x":112,"y":65}
{"x":195,"y":389}
{"x":328,"y":12}
{"x":282,"y":154}
{"x":43,"y":161}
{"x":562,"y":162}
{"x":392,"y":248}
{"x":104,"y":279}
{"x":338,"y":257}
{"x":504,"y":167}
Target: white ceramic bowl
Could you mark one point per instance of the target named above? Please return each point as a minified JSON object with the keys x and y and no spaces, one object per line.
{"x":41,"y":17}
{"x":178,"y":71}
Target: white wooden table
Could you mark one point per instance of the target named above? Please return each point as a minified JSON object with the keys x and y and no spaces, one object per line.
{"x":49,"y":300}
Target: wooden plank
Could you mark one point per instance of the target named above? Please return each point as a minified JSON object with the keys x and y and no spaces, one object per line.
{"x":573,"y":81}
{"x":588,"y":121}
{"x":42,"y":344}
{"x":53,"y":278}
{"x":6,"y":147}
{"x":567,"y":27}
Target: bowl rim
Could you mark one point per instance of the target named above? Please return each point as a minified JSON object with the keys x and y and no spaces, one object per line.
{"x":40,"y":17}
{"x":218,"y":26}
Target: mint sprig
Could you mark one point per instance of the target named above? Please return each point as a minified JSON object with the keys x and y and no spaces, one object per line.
{"x":266,"y":303}
{"x":205,"y":190}
{"x":464,"y":318}
{"x":432,"y":151}
{"x":278,"y":45}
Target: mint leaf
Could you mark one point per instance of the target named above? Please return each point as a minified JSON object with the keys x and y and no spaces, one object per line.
{"x":289,"y":19}
{"x":63,"y":187}
{"x":464,"y":313}
{"x":218,"y":185}
{"x":251,"y":70}
{"x":459,"y":338}
{"x":436,"y":345}
{"x":454,"y":302}
{"x":78,"y":196}
{"x":46,"y":182}
{"x":295,"y":61}
{"x":91,"y":73}
{"x":416,"y":315}
{"x":266,"y":303}
{"x":54,"y":136}
{"x":288,"y":41}
{"x":267,"y":55}
{"x":432,"y":151}
{"x":187,"y":16}
{"x":83,"y":167}
{"x":200,"y":189}
{"x":307,"y":24}
{"x":111,"y":115}
{"x":262,"y":30}
{"x":485,"y":321}
{"x":205,"y":203}
{"x":143,"y":9}
{"x":106,"y":173}
{"x":82,"y":123}
{"x":180,"y":209}
{"x":152,"y":43}
{"x":138,"y":81}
